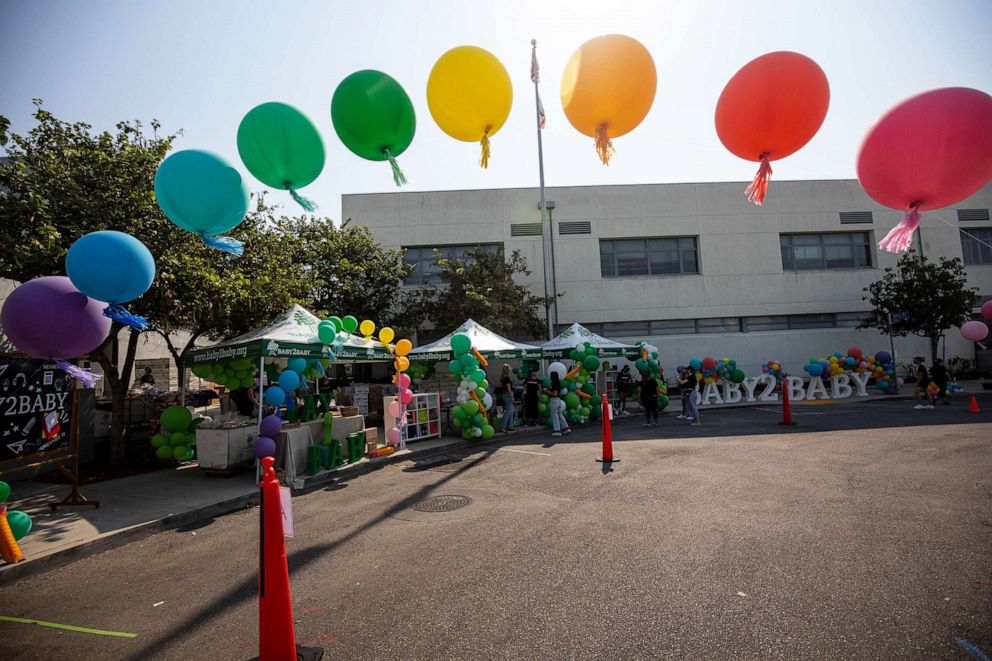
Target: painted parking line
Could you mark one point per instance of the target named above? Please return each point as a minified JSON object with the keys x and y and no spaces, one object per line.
{"x":540,"y":454}
{"x":68,"y":627}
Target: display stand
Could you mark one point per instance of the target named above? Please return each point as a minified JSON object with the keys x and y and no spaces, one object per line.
{"x":423,"y":417}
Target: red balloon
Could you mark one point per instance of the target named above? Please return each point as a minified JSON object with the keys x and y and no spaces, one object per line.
{"x":770,"y":108}
{"x":709,"y":362}
{"x":856,"y":353}
{"x":929,"y":151}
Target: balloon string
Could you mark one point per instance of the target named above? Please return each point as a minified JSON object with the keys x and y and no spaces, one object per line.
{"x":758,"y":188}
{"x":225,"y":243}
{"x":87,"y":378}
{"x":484,"y":161}
{"x":604,"y":146}
{"x":308,"y":205}
{"x":119,"y":314}
{"x":398,"y":177}
{"x":900,"y":237}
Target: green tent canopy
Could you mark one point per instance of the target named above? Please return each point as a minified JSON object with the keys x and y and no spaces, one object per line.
{"x":488,"y":343}
{"x":577,"y":334}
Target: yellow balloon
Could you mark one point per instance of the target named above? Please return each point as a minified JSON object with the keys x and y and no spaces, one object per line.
{"x":367,"y":328}
{"x":469,"y":95}
{"x":386,"y":335}
{"x":607,"y":89}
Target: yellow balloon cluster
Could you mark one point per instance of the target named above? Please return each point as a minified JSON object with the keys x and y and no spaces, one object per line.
{"x":607,"y":89}
{"x":469,"y":95}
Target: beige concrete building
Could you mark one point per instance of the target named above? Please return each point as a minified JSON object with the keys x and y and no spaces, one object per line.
{"x":695,"y":268}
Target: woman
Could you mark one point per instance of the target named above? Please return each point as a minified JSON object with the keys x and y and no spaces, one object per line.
{"x":682,"y":378}
{"x":692,"y":401}
{"x":556,"y":408}
{"x":649,"y":399}
{"x":532,"y":394}
{"x":625,"y":383}
{"x":506,"y":394}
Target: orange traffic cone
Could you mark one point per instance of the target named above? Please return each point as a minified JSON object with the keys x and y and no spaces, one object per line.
{"x":276,"y":638}
{"x":973,"y":407}
{"x":607,"y":433}
{"x":786,"y":406}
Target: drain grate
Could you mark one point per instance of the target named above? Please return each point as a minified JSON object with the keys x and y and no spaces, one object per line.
{"x":441,"y":503}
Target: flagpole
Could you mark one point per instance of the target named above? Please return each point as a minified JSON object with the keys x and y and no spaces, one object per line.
{"x":551,"y":311}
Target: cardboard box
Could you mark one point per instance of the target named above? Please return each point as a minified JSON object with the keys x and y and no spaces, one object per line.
{"x":371,"y":438}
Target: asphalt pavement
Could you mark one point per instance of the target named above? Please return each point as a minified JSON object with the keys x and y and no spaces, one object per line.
{"x":864,"y":532}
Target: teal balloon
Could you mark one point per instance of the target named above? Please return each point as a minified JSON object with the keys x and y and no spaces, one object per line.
{"x":455,"y":367}
{"x":200,"y":192}
{"x":4,"y":491}
{"x":297,"y":364}
{"x":19,"y":522}
{"x":280,"y":146}
{"x":461,"y":343}
{"x":110,"y":266}
{"x":373,"y":115}
{"x":289,"y":380}
{"x":326,"y":332}
{"x":478,"y":376}
{"x":477,"y":420}
{"x":469,"y":361}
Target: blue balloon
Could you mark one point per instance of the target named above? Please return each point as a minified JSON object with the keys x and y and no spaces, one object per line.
{"x":289,"y":380}
{"x":274,"y":396}
{"x":109,"y":266}
{"x":815,"y":370}
{"x":696,"y":364}
{"x":201,"y":193}
{"x":298,"y":364}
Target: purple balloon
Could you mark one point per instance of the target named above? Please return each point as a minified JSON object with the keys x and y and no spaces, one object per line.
{"x":270,"y":426}
{"x":263,"y":447}
{"x":883,"y":357}
{"x":49,"y":318}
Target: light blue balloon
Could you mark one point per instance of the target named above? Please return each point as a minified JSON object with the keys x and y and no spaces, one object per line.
{"x":275,"y":396}
{"x":201,"y":192}
{"x":109,"y":266}
{"x":298,"y":364}
{"x":289,"y":380}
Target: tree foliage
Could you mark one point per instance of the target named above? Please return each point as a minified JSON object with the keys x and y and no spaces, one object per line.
{"x":346,"y":271}
{"x":480,"y":287}
{"x":934,"y":295}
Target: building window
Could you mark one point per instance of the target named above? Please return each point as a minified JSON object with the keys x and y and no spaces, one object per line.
{"x":423,"y":260}
{"x":839,"y":250}
{"x":975,"y":247}
{"x":803,"y":321}
{"x":719,"y":325}
{"x":632,"y":257}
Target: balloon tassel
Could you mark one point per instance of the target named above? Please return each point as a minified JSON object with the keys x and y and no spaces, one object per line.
{"x":398,"y":175}
{"x":85,"y":377}
{"x":484,"y":161}
{"x":119,"y":314}
{"x":900,"y":237}
{"x":308,"y":205}
{"x":756,"y":191}
{"x":604,"y":146}
{"x":225,"y":243}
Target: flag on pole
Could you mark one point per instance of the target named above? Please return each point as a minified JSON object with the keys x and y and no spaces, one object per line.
{"x":535,"y":77}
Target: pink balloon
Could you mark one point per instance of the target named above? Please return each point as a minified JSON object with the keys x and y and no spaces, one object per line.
{"x":404,"y":380}
{"x":393,"y":435}
{"x":394,"y":409}
{"x":928,"y":152}
{"x":987,"y":309}
{"x":976,"y":331}
{"x":406,"y":395}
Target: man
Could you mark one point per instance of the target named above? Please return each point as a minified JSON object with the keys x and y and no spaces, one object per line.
{"x":923,"y":396}
{"x":147,"y":378}
{"x":625,"y":384}
{"x":939,"y":374}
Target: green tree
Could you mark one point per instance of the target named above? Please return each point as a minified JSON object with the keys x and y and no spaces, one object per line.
{"x":63,"y":180}
{"x":480,"y":287}
{"x":935,"y":294}
{"x":346,"y":271}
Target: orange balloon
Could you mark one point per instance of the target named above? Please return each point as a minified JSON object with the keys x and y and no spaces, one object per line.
{"x":402,"y":363}
{"x":607,"y":89}
{"x":403,"y":347}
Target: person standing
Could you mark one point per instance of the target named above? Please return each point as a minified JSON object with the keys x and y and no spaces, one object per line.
{"x":939,"y":374}
{"x":625,"y":384}
{"x":649,"y":400}
{"x":556,"y":407}
{"x":532,"y":397}
{"x":923,"y":397}
{"x":506,"y":394}
{"x":680,"y":376}
{"x":691,"y":390}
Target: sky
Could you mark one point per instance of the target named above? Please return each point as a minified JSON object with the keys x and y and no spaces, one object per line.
{"x":200,"y":66}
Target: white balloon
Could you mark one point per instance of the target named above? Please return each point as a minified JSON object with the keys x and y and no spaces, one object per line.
{"x":476,"y":432}
{"x":487,"y":401}
{"x":462,"y":399}
{"x":557,"y":368}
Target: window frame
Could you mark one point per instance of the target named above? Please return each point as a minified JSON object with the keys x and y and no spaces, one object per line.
{"x":968,"y":244}
{"x":816,"y":246}
{"x":447,"y":252}
{"x":638,"y":249}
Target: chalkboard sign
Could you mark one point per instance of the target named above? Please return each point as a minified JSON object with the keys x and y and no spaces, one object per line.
{"x":35,"y":407}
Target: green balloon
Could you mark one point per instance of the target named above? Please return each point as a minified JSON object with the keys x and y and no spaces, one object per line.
{"x":458,"y":412}
{"x":177,"y":438}
{"x":477,"y":420}
{"x":471,"y":407}
{"x":179,"y":452}
{"x":457,"y":422}
{"x":543,"y":398}
{"x":480,"y":393}
{"x":201,"y":371}
{"x":542,"y":408}
{"x":176,"y":418}
{"x":200,"y":192}
{"x":487,"y":432}
{"x":241,"y":364}
{"x":189,"y":455}
{"x":336,"y":322}
{"x":468,"y":361}
{"x":373,"y":115}
{"x":571,"y":400}
{"x":737,"y":376}
{"x":485,"y":384}
{"x":461,"y":343}
{"x":478,"y":376}
{"x":280,"y":146}
{"x":4,"y":491}
{"x":326,"y":332}
{"x":595,"y":412}
{"x":455,"y":367}
{"x":19,"y":522}
{"x":349,"y":324}
{"x":158,"y":440}
{"x":164,"y":452}
{"x":584,"y":411}
{"x":591,"y":363}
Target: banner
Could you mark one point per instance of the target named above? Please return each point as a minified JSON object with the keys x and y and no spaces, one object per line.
{"x":35,"y":407}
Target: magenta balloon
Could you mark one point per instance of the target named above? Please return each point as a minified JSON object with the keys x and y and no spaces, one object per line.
{"x":404,"y":380}
{"x":976,"y":331}
{"x":49,"y":318}
{"x":987,"y":309}
{"x":934,"y":149}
